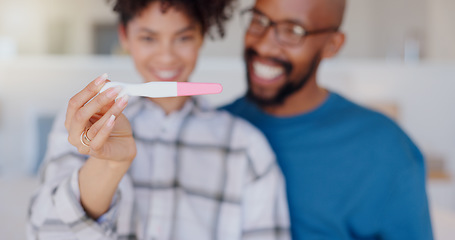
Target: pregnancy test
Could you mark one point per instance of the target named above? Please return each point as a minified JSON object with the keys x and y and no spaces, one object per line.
{"x":165,"y":89}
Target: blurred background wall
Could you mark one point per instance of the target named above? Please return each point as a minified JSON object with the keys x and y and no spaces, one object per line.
{"x":399,"y":58}
{"x":386,"y":29}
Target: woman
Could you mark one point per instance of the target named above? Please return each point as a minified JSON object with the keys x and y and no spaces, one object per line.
{"x":166,"y":168}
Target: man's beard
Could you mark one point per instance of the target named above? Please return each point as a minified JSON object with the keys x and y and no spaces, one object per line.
{"x":288,"y":88}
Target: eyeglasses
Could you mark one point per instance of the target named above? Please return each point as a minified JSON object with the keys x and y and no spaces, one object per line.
{"x":286,"y":32}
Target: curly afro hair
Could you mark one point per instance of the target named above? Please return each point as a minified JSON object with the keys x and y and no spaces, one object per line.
{"x":209,"y":13}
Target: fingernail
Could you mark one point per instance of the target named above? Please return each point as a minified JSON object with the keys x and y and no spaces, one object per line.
{"x":110,"y":121}
{"x":112,"y":92}
{"x":123,"y":100}
{"x":101,"y":79}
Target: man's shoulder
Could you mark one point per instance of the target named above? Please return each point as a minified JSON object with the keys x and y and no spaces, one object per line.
{"x":378,"y":131}
{"x":364,"y":117}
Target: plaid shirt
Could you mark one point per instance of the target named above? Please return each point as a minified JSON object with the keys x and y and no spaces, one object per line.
{"x":198,"y":174}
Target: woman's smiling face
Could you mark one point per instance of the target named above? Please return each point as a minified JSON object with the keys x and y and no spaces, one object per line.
{"x":163,"y":45}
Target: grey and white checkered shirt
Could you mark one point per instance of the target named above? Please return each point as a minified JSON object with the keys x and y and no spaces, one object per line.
{"x":198,"y":174}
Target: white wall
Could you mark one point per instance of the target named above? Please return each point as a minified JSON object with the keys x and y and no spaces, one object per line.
{"x":33,"y":24}
{"x":23,"y":24}
{"x":375,"y":29}
{"x":30,"y":23}
{"x":441,"y":32}
{"x":378,"y":29}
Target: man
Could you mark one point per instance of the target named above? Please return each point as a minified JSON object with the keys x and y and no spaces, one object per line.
{"x":351,"y":173}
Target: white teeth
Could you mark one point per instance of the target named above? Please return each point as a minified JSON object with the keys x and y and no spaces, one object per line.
{"x":267,"y":72}
{"x":166,"y":74}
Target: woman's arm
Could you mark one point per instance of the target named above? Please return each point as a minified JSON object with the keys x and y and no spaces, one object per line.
{"x":75,"y":191}
{"x":98,"y":181}
{"x":97,"y":128}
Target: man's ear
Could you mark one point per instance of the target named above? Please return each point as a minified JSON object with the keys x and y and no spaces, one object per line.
{"x":123,"y":37}
{"x":334,"y":45}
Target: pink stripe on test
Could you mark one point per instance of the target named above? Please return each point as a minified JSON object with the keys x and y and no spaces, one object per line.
{"x":190,"y":88}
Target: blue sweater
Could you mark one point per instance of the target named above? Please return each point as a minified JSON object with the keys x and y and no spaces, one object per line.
{"x":351,"y":173}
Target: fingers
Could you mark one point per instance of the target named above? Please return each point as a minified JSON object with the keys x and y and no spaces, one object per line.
{"x":106,"y":108}
{"x":97,"y":128}
{"x":103,"y":134}
{"x":81,"y":98}
{"x":82,"y":117}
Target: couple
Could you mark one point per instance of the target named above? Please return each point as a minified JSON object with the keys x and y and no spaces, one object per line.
{"x":172,"y":168}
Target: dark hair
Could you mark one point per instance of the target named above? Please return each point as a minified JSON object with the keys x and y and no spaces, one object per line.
{"x":209,"y":13}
